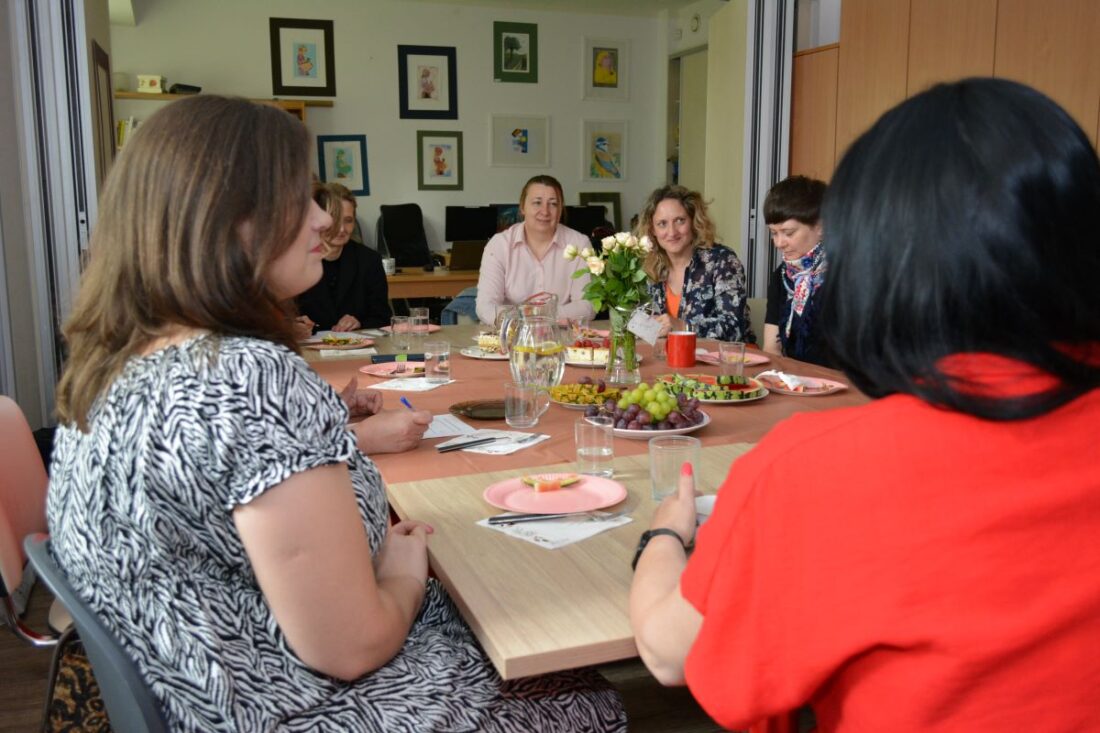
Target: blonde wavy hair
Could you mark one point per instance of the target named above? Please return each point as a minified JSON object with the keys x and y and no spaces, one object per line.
{"x":656,"y":263}
{"x":331,"y":198}
{"x":206,"y":196}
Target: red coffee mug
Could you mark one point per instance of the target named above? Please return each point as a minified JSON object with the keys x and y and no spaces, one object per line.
{"x":681,"y":349}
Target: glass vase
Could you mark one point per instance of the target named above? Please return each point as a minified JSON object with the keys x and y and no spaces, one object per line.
{"x":622,"y":360}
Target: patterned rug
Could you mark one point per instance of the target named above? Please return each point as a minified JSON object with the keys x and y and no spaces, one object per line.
{"x":73,"y":703}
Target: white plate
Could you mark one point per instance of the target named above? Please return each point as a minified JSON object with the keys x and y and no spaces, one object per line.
{"x":647,"y":434}
{"x":592,"y":364}
{"x":570,"y":405}
{"x":704,"y":507}
{"x":475,"y":353}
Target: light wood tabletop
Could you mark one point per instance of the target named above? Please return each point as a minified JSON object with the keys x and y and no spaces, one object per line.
{"x":536,"y":610}
{"x":420,"y":284}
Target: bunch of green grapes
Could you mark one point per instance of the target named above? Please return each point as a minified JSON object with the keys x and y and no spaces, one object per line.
{"x":652,"y":408}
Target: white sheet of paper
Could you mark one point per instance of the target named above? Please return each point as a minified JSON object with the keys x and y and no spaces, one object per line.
{"x":365,"y":351}
{"x":444,"y":426}
{"x":505,"y":443}
{"x":409,"y":384}
{"x":555,"y":533}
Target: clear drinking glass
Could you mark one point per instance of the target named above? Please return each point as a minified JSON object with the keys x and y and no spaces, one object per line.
{"x":524,"y":404}
{"x":666,"y":456}
{"x":418,"y":327}
{"x":595,"y":446}
{"x":437,"y":362}
{"x":399,"y":332}
{"x":731,"y":357}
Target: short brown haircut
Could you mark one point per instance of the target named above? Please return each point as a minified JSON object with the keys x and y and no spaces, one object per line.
{"x":795,"y":197}
{"x":656,"y":263}
{"x":209,"y":192}
{"x":331,"y":198}
{"x":543,"y":180}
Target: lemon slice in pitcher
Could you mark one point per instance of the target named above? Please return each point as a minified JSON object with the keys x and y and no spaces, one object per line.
{"x":547,"y":348}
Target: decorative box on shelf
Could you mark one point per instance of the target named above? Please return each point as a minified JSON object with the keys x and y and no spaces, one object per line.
{"x":151,"y":84}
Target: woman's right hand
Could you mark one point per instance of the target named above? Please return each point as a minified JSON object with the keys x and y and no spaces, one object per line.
{"x":404,"y":552}
{"x":303,"y":327}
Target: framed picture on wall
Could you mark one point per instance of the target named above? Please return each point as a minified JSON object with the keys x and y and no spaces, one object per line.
{"x":519,"y":140}
{"x":516,"y":52}
{"x":438,"y":160}
{"x":427,"y":82}
{"x":103,"y":113}
{"x":343,"y":159}
{"x":606,"y":69}
{"x":603,"y":150}
{"x":611,"y":201}
{"x":303,"y":61}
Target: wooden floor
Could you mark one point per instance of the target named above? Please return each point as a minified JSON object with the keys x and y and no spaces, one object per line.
{"x":24,"y":670}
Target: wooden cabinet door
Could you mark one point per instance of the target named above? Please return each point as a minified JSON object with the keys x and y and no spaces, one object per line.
{"x":950,"y":40}
{"x":813,"y":112}
{"x":1053,"y":46}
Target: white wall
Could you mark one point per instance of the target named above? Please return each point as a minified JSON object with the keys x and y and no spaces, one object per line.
{"x":223,"y":47}
{"x":681,"y":36}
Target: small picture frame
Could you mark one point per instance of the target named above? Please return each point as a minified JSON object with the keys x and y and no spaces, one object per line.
{"x":439,"y":160}
{"x":516,"y":52}
{"x":604,"y":152}
{"x":427,"y":82}
{"x":303,"y":61}
{"x":606,"y":69}
{"x":522,"y":141}
{"x":610,"y":200}
{"x":343,"y":159}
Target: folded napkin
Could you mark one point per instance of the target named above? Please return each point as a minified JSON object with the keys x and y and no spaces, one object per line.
{"x":791,"y":381}
{"x":372,"y":332}
{"x":410,"y":384}
{"x":507,"y":441}
{"x":365,"y":351}
{"x":555,"y":533}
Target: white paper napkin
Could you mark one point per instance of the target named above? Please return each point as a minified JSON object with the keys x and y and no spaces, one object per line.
{"x":555,"y":533}
{"x":409,"y":384}
{"x":507,"y":441}
{"x":792,"y":381}
{"x":365,"y":351}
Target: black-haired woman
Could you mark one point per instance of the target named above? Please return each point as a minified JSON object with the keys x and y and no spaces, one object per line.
{"x":931,"y":562}
{"x":792,"y":211}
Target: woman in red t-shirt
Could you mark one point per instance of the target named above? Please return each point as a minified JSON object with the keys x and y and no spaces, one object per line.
{"x":927,"y":561}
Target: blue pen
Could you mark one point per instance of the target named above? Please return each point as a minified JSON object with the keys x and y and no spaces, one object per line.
{"x":406,"y":403}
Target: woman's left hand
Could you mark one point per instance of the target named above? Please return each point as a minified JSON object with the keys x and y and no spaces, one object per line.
{"x":666,"y":324}
{"x":677,"y":511}
{"x":346,"y":323}
{"x":361,"y":402}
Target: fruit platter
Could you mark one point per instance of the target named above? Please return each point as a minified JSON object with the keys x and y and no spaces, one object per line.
{"x":583,"y":394}
{"x":724,"y":389}
{"x":651,"y":411}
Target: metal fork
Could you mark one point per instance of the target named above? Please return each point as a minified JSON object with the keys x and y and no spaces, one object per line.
{"x":400,"y":368}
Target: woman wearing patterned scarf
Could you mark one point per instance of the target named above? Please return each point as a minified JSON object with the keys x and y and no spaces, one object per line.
{"x":792,"y":211}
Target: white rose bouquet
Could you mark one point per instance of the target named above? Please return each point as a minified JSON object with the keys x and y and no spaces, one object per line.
{"x":618,"y":281}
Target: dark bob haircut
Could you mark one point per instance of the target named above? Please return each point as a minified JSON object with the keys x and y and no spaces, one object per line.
{"x":966,"y":221}
{"x":795,"y":197}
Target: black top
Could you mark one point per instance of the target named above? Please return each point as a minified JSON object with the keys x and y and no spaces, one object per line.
{"x":353,"y":284}
{"x":804,"y":341}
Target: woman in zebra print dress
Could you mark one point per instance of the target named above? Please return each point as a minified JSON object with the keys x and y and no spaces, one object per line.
{"x":207,"y":498}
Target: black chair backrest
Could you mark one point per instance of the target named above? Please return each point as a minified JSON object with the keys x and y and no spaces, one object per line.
{"x":402,"y":228}
{"x":131,"y":706}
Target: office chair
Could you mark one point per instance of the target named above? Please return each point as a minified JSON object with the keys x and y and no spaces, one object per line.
{"x":131,"y":707}
{"x":401,"y":232}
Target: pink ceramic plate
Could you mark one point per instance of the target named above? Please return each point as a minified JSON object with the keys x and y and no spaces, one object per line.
{"x":815,"y":386}
{"x":388,"y":369}
{"x":432,"y":328}
{"x":752,"y":357}
{"x":355,"y":343}
{"x":591,"y":492}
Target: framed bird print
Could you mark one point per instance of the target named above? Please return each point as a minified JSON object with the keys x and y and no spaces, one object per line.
{"x":603,"y":150}
{"x":343,"y":159}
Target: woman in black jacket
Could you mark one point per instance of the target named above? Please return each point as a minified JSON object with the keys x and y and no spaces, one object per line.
{"x":352,"y":293}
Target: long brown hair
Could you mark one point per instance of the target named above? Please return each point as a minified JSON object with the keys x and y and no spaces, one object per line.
{"x":656,"y":263}
{"x":208,"y":193}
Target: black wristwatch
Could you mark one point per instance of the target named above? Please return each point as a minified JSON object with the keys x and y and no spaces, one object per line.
{"x":650,"y":534}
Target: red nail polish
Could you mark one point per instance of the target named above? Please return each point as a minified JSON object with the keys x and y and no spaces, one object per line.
{"x":686,"y":469}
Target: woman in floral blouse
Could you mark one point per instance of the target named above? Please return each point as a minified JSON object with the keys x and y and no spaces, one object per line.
{"x":693,"y":280}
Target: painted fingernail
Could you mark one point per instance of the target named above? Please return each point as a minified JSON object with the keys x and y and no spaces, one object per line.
{"x":686,"y":469}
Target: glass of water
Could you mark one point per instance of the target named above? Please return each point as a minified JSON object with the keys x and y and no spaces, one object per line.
{"x":437,"y":362}
{"x":595,"y":446}
{"x":399,"y":332}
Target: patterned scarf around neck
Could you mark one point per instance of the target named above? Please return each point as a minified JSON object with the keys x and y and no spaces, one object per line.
{"x":801,"y":278}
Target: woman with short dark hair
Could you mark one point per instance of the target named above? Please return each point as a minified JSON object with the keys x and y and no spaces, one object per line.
{"x":792,"y":211}
{"x":927,"y":561}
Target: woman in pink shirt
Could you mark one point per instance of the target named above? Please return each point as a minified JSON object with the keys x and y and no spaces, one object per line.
{"x":527,"y":258}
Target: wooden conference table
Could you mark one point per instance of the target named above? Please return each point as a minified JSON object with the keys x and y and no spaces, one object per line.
{"x":415,"y":283}
{"x":536,"y":610}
